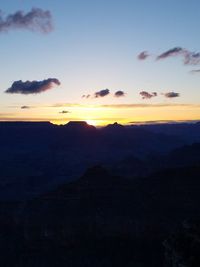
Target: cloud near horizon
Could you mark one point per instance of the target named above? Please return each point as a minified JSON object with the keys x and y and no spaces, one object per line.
{"x":147,"y":95}
{"x":117,"y":106}
{"x":119,"y":93}
{"x":34,"y":20}
{"x":86,"y":96}
{"x":64,"y":112}
{"x":171,"y":95}
{"x":32,"y":87}
{"x":25,"y":107}
{"x":102,"y":93}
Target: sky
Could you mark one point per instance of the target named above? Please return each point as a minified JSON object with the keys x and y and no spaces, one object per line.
{"x":100,"y":61}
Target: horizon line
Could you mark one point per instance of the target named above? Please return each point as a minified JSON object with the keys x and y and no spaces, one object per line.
{"x":113,"y":122}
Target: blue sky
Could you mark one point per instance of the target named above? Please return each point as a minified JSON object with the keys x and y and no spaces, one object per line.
{"x":93,"y":46}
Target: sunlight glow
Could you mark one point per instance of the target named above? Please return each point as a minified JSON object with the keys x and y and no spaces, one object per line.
{"x":92,"y":122}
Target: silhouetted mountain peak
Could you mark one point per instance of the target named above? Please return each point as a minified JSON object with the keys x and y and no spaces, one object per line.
{"x":96,"y":180}
{"x":114,"y":128}
{"x":115,"y":125}
{"x":99,"y":177}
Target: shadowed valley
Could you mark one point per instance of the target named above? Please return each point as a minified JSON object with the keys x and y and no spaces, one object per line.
{"x":75,"y":195}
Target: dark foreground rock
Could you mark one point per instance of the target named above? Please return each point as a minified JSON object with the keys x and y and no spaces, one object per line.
{"x":100,"y":220}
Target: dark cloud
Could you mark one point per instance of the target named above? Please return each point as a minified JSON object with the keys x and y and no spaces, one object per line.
{"x":147,"y":95}
{"x":171,"y":94}
{"x":119,"y":93}
{"x":143,"y":55}
{"x":172,"y":52}
{"x":35,"y":20}
{"x":33,"y":87}
{"x":25,"y":107}
{"x":102,"y":93}
{"x":64,"y":112}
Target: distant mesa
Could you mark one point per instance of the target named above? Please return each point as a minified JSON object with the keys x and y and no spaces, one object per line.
{"x":79,"y":125}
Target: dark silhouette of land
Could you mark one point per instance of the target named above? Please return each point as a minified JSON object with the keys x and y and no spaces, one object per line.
{"x":75,"y":195}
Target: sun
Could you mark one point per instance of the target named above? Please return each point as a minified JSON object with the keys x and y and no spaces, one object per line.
{"x":91,"y":122}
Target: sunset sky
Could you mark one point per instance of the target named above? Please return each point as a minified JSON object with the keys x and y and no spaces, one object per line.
{"x":100,"y":61}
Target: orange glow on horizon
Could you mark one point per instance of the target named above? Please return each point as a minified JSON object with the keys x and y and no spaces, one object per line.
{"x":103,"y":115}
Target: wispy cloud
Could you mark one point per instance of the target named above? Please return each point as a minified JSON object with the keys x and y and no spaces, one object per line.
{"x":6,"y":115}
{"x":119,"y":93}
{"x":195,"y":71}
{"x":147,"y":95}
{"x":142,"y":105}
{"x":34,"y":20}
{"x":163,"y":122}
{"x":189,"y":57}
{"x":143,"y":55}
{"x":32,"y":87}
{"x":116,"y":106}
{"x":171,"y":95}
{"x":171,"y":52}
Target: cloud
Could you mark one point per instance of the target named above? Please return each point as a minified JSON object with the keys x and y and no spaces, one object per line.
{"x":195,"y":71}
{"x":102,"y":93}
{"x":171,"y":94}
{"x":86,"y":96}
{"x":64,"y":112}
{"x":32,"y":87}
{"x":119,"y":93}
{"x":118,"y":106}
{"x":143,"y":55}
{"x":34,"y":20}
{"x":146,"y":95}
{"x":172,"y":52}
{"x":163,"y":122}
{"x":25,"y":107}
{"x":191,"y":58}
{"x":142,"y":105}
